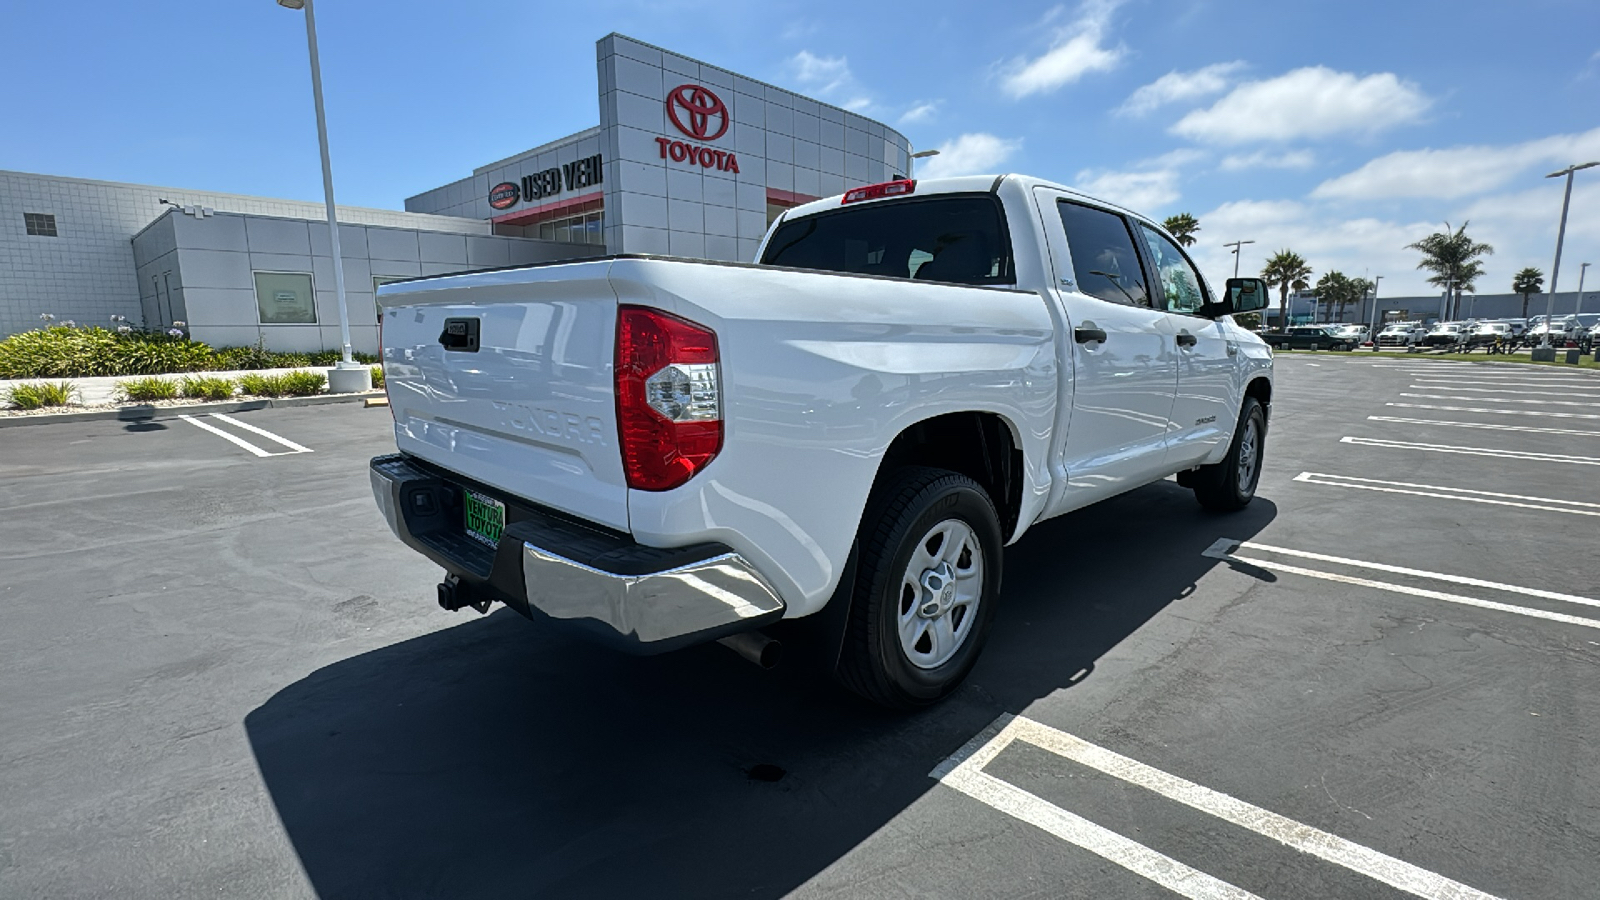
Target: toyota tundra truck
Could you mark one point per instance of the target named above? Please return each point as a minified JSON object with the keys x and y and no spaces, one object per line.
{"x":659,"y":452}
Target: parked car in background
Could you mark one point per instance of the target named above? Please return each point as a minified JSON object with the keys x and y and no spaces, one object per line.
{"x":1485,"y":334}
{"x":1559,"y":329}
{"x":1445,"y":334}
{"x":1401,"y":334}
{"x":1359,"y":332}
{"x":1310,"y":337}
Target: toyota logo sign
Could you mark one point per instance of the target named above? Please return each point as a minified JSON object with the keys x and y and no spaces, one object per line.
{"x":504,"y":194}
{"x":698,"y":105}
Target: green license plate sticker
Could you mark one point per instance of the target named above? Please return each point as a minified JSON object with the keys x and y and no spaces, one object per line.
{"x":485,"y":518}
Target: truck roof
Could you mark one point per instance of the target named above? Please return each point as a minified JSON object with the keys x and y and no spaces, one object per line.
{"x":964,"y":184}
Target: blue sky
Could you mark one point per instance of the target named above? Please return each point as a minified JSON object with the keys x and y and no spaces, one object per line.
{"x":1340,"y":130}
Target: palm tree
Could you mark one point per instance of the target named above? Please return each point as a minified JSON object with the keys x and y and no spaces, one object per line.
{"x":1361,"y":287}
{"x":1286,"y":271}
{"x":1337,"y":291}
{"x":1528,"y":281}
{"x":1183,"y":227}
{"x":1452,"y":257}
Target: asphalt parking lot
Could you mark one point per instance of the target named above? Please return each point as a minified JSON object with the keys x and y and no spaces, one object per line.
{"x":220,"y":675}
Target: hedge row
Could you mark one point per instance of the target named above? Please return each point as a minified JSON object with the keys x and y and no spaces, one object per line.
{"x":65,"y":351}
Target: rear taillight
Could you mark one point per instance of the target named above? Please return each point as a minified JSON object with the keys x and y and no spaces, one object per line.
{"x":874,"y":191}
{"x":669,"y":398}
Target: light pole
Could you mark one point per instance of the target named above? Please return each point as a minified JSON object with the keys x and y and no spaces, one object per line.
{"x":1582,"y":271}
{"x":1373,"y":332}
{"x":1238,"y":248}
{"x":337,"y":383}
{"x":1547,"y":352}
{"x":922,"y":154}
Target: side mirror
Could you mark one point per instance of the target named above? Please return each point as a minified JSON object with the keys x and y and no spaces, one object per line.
{"x":1246,"y":295}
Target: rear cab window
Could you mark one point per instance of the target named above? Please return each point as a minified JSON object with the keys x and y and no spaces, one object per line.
{"x":955,"y":238}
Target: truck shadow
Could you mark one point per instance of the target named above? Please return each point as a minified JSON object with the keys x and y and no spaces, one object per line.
{"x":494,"y":760}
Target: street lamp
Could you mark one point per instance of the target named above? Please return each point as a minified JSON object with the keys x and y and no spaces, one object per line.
{"x":1373,"y":331}
{"x":337,"y":382}
{"x":1237,"y":246}
{"x":1548,"y":353}
{"x":1582,"y":271}
{"x":922,"y":154}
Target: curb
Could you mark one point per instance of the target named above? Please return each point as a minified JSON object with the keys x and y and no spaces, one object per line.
{"x":152,"y":413}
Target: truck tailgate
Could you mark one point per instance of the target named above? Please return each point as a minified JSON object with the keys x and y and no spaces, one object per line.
{"x":523,"y":399}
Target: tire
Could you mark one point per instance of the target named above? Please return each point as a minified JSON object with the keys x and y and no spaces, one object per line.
{"x":899,"y":616}
{"x":1230,"y":485}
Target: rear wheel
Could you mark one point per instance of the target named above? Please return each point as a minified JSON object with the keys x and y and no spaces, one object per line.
{"x":925,"y":590}
{"x":1231,"y":484}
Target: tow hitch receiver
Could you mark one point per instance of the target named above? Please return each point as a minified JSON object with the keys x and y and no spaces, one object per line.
{"x":454,"y":595}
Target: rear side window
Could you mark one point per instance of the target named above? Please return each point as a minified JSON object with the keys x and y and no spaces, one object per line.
{"x":1104,"y":261}
{"x":957,"y":238}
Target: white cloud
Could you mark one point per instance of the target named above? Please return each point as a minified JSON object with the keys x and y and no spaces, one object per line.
{"x":821,"y":74}
{"x":1314,"y":102}
{"x":1175,"y":87}
{"x":1075,"y":51}
{"x":1458,"y":171}
{"x":1361,"y":246}
{"x":976,"y":153}
{"x":1263,"y":159}
{"x":1142,"y":192}
{"x":921,"y":112}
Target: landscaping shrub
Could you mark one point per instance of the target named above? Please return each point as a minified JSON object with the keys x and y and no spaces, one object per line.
{"x":67,"y":351}
{"x":303,"y":384}
{"x":262,"y":385}
{"x":38,"y":396}
{"x":144,"y":390}
{"x":377,"y":377}
{"x":207,"y":387}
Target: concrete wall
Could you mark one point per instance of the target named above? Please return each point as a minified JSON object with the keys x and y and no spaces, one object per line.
{"x":784,"y":143}
{"x":88,"y":273}
{"x":470,"y":196}
{"x":210,"y":263}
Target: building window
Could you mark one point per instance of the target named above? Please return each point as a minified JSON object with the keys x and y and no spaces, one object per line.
{"x":286,"y":298}
{"x":585,"y":229}
{"x":40,"y":224}
{"x":380,"y":280}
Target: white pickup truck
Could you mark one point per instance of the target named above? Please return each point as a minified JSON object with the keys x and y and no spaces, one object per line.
{"x":662,"y":452}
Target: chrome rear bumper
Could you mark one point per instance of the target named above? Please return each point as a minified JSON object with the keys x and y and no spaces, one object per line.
{"x":548,"y":566}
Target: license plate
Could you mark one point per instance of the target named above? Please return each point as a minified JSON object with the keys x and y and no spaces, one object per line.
{"x":485,"y":517}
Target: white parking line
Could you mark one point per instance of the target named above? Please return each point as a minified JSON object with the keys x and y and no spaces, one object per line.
{"x":1546,"y":504}
{"x":1500,"y":412}
{"x":964,"y":772}
{"x":262,"y":431}
{"x":1224,"y":549}
{"x":1438,"y":382}
{"x":1499,"y":400}
{"x":241,"y":442}
{"x":1564,"y":391}
{"x":1485,"y":425}
{"x":1473,"y":451}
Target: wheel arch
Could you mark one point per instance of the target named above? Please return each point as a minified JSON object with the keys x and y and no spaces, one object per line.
{"x":982,"y":445}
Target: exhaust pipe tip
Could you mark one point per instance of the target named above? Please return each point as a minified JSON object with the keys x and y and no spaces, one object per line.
{"x":755,"y":647}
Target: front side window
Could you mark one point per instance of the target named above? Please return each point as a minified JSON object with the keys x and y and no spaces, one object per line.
{"x":286,"y":298}
{"x":1104,"y":261}
{"x":1180,"y":283}
{"x":952,"y":238}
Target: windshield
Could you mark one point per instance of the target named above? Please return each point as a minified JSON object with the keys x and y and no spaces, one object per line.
{"x":957,"y":238}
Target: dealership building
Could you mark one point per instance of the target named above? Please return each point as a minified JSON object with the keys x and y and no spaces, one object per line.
{"x":688,"y":159}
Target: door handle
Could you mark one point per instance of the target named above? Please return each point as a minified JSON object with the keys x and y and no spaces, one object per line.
{"x":1185,"y":339}
{"x":1083,"y":334}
